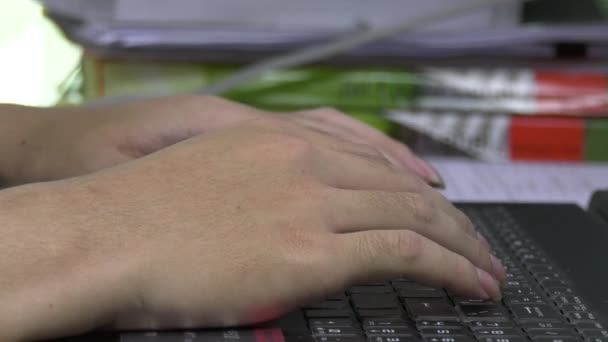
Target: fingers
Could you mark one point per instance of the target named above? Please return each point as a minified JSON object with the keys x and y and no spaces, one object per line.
{"x":383,"y":254}
{"x":353,"y":211}
{"x":345,"y":171}
{"x":388,"y":198}
{"x":347,"y":127}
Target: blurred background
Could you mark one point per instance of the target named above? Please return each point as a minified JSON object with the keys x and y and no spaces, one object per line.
{"x":35,"y":57}
{"x":516,"y":80}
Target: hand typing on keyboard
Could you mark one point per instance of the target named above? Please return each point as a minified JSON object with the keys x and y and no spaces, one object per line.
{"x":228,"y":228}
{"x":65,"y":142}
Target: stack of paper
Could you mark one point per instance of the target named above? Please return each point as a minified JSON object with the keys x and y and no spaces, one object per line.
{"x":273,"y":26}
{"x":474,"y":181}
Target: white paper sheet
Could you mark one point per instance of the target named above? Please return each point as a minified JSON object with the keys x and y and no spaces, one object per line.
{"x":469,"y":180}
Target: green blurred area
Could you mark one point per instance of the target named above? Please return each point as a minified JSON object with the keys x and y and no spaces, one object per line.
{"x":596,"y":139}
{"x":360,"y":91}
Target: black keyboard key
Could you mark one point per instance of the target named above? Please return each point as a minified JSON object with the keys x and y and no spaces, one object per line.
{"x":385,"y":323}
{"x":492,"y":312}
{"x":334,"y":331}
{"x":409,"y":285}
{"x":384,"y":313}
{"x":544,"y":325}
{"x":561,"y":332}
{"x":589,"y":325}
{"x":292,"y":323}
{"x":555,"y":292}
{"x":548,"y":284}
{"x":338,"y":296}
{"x":329,"y":304}
{"x":438,"y":324}
{"x":512,"y":275}
{"x":533,"y":259}
{"x":328,"y":322}
{"x":590,"y":334}
{"x":448,"y":339}
{"x":472,"y":301}
{"x":339,"y":339}
{"x":433,"y":331}
{"x":496,"y":332}
{"x":525,"y":291}
{"x":524,"y":299}
{"x":420,"y":294}
{"x":502,"y":339}
{"x":515,"y":284}
{"x":374,"y":301}
{"x":375,"y":283}
{"x":371,"y":332}
{"x":431,"y":309}
{"x":544,"y":276}
{"x":574,"y":308}
{"x":489,"y":324}
{"x":371,"y":289}
{"x":536,"y":269}
{"x":576,"y":317}
{"x":328,"y":313}
{"x":562,"y":300}
{"x":557,"y":339}
{"x":393,"y":339}
{"x":536,"y":312}
{"x":414,"y":290}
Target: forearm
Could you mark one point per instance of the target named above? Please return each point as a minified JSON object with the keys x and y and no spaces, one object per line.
{"x":17,"y":124}
{"x":57,"y":275}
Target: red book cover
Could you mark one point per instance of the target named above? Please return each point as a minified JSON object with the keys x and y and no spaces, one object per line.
{"x":546,"y":138}
{"x":575,"y":92}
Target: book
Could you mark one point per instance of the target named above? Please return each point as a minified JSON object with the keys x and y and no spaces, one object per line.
{"x":503,"y":137}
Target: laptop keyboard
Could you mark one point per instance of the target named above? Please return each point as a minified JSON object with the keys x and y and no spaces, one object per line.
{"x":538,"y":302}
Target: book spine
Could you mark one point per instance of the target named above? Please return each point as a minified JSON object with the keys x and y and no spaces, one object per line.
{"x":571,"y":93}
{"x":558,"y":138}
{"x":524,"y":91}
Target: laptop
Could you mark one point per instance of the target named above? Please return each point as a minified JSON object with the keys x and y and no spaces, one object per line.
{"x":556,"y":291}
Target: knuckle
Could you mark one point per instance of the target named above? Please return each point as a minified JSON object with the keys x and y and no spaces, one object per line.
{"x":301,"y":239}
{"x":416,"y":184}
{"x":482,"y":256}
{"x":463,"y":267}
{"x":306,"y":244}
{"x":371,"y":245}
{"x":409,"y":245}
{"x":466,"y":222}
{"x":422,"y":208}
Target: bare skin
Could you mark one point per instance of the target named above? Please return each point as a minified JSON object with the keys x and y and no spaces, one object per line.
{"x":289,"y":213}
{"x":47,"y":144}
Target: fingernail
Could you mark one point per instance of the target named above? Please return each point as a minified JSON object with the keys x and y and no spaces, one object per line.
{"x":484,"y":242}
{"x":489,"y":285}
{"x":433,"y":177}
{"x":499,"y":269}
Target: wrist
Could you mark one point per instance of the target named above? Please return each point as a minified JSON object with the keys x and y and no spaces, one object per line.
{"x":61,"y":272}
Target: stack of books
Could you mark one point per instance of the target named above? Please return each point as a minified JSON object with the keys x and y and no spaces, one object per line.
{"x":521,"y":114}
{"x":491,"y":113}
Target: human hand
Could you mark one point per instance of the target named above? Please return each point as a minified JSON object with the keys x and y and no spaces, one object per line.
{"x":75,"y":141}
{"x":233,"y":227}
